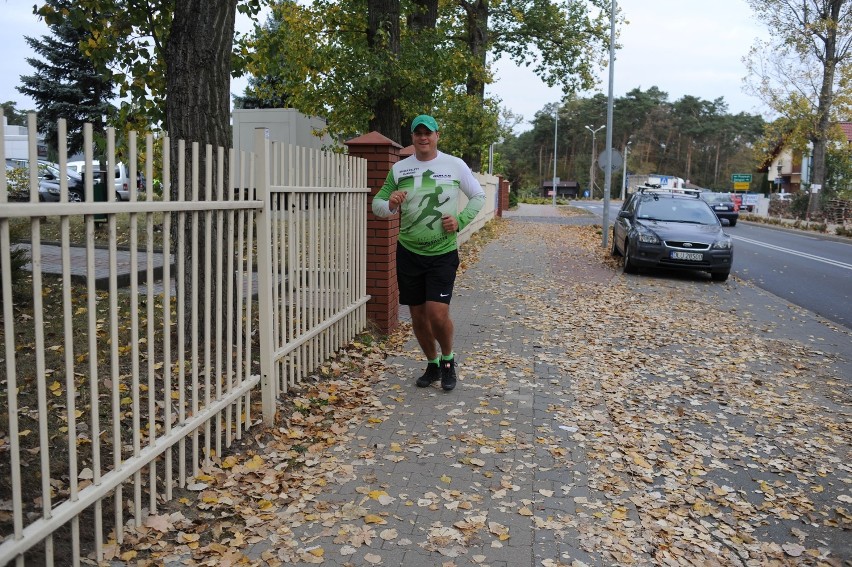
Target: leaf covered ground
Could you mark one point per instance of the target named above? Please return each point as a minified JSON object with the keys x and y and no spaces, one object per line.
{"x":600,"y":419}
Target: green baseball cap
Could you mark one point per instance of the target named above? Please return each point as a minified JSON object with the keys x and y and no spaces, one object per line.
{"x":425,"y":120}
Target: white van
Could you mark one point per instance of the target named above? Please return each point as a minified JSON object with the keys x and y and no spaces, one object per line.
{"x":123,"y":184}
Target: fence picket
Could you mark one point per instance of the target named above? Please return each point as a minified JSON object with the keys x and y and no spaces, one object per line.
{"x":147,"y":388}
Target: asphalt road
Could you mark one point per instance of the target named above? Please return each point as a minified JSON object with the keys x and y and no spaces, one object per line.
{"x":807,"y":269}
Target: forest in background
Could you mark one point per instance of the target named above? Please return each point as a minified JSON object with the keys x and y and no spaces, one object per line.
{"x":691,"y":138}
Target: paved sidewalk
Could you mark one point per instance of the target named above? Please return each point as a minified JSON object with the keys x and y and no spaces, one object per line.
{"x":51,"y":263}
{"x":570,"y":441}
{"x":599,"y":420}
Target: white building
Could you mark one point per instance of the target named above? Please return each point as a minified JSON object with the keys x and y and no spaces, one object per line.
{"x":285,"y":125}
{"x":16,"y":142}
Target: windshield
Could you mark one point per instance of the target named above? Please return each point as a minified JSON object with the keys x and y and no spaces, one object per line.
{"x":716,"y":197}
{"x":676,"y":210}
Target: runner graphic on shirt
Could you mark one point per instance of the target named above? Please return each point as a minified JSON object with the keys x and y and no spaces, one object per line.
{"x":431,"y":200}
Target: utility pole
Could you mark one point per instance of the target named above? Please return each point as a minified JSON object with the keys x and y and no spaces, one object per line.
{"x":624,"y":172}
{"x":592,"y":167}
{"x":609,"y":104}
{"x":555,"y":128}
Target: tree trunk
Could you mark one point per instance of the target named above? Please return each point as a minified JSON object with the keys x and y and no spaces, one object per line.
{"x":423,"y":18}
{"x":826,"y":99}
{"x":477,"y":41}
{"x":198,"y":78}
{"x":383,"y":39}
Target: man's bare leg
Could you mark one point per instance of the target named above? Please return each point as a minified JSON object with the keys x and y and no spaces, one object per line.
{"x":431,"y":323}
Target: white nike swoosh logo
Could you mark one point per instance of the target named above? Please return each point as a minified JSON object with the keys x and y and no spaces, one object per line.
{"x":444,"y":294}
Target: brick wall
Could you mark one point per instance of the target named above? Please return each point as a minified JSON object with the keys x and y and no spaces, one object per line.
{"x":383,"y":309}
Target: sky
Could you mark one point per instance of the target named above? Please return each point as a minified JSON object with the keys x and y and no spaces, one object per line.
{"x":683,"y":47}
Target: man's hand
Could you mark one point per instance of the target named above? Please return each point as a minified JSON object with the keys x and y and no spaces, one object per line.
{"x":396,"y":199}
{"x":450,"y":223}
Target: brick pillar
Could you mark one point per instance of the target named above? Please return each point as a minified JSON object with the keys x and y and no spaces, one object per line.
{"x":502,"y":196}
{"x":499,"y":211}
{"x":383,"y":309}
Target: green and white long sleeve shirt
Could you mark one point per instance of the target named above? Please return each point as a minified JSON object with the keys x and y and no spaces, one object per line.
{"x":432,"y":189}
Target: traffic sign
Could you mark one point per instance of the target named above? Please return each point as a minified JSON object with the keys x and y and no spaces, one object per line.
{"x":617,"y":160}
{"x":741,"y":186}
{"x":741,"y":178}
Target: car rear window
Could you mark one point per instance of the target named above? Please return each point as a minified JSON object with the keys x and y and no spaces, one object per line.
{"x":716,"y":197}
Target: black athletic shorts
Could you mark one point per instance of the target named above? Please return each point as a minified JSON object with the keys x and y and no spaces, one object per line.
{"x":425,"y":278}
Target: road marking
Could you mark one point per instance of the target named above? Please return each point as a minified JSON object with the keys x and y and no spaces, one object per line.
{"x":795,"y":253}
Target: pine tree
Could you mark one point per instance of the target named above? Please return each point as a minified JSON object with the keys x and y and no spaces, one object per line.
{"x":66,"y":84}
{"x":263,"y":93}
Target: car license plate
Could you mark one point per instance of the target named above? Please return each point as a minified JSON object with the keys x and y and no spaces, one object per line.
{"x":720,"y":207}
{"x":693,"y":256}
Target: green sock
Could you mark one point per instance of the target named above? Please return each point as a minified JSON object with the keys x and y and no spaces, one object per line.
{"x":448,"y":356}
{"x":436,"y":361}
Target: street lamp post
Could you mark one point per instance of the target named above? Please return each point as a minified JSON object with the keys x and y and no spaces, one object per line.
{"x":592,"y":168}
{"x":624,"y":173}
{"x":555,"y":129}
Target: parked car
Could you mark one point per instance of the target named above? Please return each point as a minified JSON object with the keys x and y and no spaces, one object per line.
{"x":49,"y":178}
{"x":661,"y":229}
{"x":121,"y":177}
{"x":723,"y":205}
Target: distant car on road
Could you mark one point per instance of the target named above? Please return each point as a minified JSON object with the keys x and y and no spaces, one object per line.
{"x":49,"y":177}
{"x":661,"y":229}
{"x":723,"y":205}
{"x":121,"y":177}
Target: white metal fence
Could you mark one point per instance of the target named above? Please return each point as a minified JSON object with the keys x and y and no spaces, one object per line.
{"x":116,"y":397}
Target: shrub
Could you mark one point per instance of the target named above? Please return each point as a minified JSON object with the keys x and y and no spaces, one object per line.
{"x":17,"y":181}
{"x":799,"y":205}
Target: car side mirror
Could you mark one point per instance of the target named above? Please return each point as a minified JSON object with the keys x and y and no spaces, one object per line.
{"x":624,"y":214}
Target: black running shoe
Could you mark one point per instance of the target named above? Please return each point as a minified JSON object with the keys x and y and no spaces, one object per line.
{"x":432,"y":374}
{"x":448,"y":374}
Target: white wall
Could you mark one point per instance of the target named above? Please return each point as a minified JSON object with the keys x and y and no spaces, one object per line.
{"x":489,"y":208}
{"x":285,"y":125}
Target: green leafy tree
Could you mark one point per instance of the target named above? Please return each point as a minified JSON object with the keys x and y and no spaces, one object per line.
{"x":689,"y":134}
{"x":563,"y":41}
{"x":66,"y":83}
{"x":345,"y":63}
{"x":335,"y":60}
{"x":804,"y":71}
{"x":14,"y":117}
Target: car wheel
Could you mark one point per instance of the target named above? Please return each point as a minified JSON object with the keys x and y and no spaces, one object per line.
{"x":614,"y":250}
{"x":117,"y":196}
{"x":629,"y":265}
{"x":74,"y":197}
{"x":733,"y":223}
{"x":719,"y":276}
